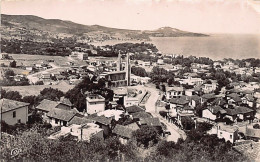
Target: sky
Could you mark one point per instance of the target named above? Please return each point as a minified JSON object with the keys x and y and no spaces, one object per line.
{"x":205,"y":16}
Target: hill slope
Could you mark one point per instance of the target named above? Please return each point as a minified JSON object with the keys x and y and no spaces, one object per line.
{"x":28,"y":27}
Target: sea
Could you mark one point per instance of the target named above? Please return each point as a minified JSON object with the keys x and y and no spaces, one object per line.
{"x":215,"y":46}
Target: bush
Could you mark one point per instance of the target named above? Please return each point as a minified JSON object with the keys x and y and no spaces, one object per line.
{"x":163,"y":113}
{"x":256,"y":126}
{"x":146,"y":135}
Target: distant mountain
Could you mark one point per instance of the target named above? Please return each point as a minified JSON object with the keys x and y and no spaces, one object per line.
{"x":29,"y":27}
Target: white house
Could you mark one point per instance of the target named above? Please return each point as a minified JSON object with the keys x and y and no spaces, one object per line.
{"x":213,"y":112}
{"x":13,"y":111}
{"x":228,"y":132}
{"x":174,"y":92}
{"x":95,"y":103}
{"x":82,"y":132}
{"x":208,"y":88}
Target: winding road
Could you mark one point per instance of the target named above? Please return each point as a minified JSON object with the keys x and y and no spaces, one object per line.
{"x":150,"y":105}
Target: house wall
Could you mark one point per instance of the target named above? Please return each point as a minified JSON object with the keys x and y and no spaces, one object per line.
{"x":130,"y":102}
{"x":99,"y":134}
{"x":173,"y":94}
{"x":105,"y":128}
{"x":173,"y":106}
{"x":193,"y":103}
{"x":21,"y":113}
{"x":228,"y":136}
{"x":52,"y":121}
{"x":207,"y":114}
{"x":94,"y":107}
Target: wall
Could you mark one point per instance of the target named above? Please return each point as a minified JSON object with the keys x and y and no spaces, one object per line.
{"x":21,"y":113}
{"x":94,"y":107}
{"x":226,"y":136}
{"x":207,"y":114}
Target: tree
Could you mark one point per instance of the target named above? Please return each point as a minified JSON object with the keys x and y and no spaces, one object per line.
{"x":40,"y":82}
{"x":13,"y":64}
{"x":256,"y":126}
{"x":9,"y":73}
{"x":163,"y":88}
{"x":170,"y":81}
{"x":187,"y":123}
{"x":146,"y":135}
{"x":12,"y":95}
{"x":51,"y":94}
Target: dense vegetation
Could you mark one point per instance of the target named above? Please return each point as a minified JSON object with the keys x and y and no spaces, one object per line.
{"x":139,"y":71}
{"x":9,"y":79}
{"x":76,"y":95}
{"x":34,"y":146}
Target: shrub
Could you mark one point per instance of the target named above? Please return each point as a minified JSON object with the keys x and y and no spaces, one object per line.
{"x":256,"y":126}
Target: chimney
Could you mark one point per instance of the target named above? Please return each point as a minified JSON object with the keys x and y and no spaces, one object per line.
{"x":119,"y":62}
{"x":128,"y":69}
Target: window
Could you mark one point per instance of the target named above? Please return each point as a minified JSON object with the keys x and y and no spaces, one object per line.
{"x":19,"y":121}
{"x":56,"y":121}
{"x":14,"y":114}
{"x":231,"y":136}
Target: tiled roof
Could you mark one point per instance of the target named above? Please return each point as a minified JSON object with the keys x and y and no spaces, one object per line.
{"x":65,"y":101}
{"x":100,"y":119}
{"x":177,"y":89}
{"x":208,"y":96}
{"x":216,"y":109}
{"x":47,"y":105}
{"x":133,"y":126}
{"x":141,"y":115}
{"x":238,"y":110}
{"x":61,"y":114}
{"x":219,"y":101}
{"x":188,"y":108}
{"x":178,"y":101}
{"x":227,"y":128}
{"x":134,"y":109}
{"x":235,"y":97}
{"x":195,"y":97}
{"x":151,"y":121}
{"x":123,"y":131}
{"x":249,"y":97}
{"x":79,"y":120}
{"x":8,"y":105}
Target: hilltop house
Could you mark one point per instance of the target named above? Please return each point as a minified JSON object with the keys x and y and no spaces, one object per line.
{"x":228,"y":132}
{"x":175,"y":104}
{"x":213,"y":112}
{"x":47,"y":105}
{"x":103,"y":122}
{"x":13,"y":111}
{"x":123,"y":132}
{"x":60,"y":117}
{"x":234,"y":99}
{"x":82,"y":132}
{"x":209,"y":88}
{"x":174,"y":92}
{"x":95,"y":103}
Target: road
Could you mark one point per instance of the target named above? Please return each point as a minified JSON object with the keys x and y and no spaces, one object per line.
{"x":33,"y":78}
{"x":150,"y":105}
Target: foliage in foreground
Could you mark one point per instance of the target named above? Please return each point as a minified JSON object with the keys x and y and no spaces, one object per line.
{"x":34,"y":146}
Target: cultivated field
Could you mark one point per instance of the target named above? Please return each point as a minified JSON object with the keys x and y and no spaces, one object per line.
{"x":35,"y":89}
{"x":28,"y":60}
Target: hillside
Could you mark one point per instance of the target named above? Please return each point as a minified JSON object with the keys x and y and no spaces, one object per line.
{"x":33,"y":28}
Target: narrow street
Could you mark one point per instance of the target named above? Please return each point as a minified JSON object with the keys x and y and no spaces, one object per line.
{"x":150,"y":105}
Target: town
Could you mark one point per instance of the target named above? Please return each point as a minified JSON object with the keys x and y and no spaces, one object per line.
{"x":141,"y":99}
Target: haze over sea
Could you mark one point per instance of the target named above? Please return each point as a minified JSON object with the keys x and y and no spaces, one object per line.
{"x":216,"y":46}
